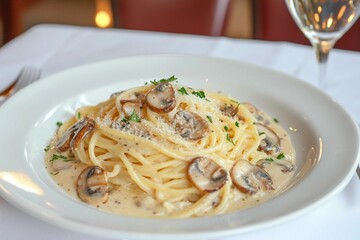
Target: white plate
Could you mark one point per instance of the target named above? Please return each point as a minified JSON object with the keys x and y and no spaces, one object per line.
{"x":317,"y":125}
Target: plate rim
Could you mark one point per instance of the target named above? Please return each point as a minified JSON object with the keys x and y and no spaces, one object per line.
{"x":227,"y":232}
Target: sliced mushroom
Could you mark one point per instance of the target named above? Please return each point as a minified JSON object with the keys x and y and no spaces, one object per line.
{"x":131,"y":128}
{"x":271,"y":143}
{"x":249,"y":178}
{"x":92,"y":186}
{"x":206,"y":175}
{"x":190,"y":125}
{"x":86,"y":129}
{"x":129,"y":106}
{"x":286,"y":166}
{"x":254,"y":111}
{"x":161,"y":99}
{"x":57,"y":166}
{"x":75,"y":134}
{"x":229,"y":110}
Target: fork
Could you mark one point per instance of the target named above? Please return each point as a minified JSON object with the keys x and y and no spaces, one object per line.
{"x":27,"y":75}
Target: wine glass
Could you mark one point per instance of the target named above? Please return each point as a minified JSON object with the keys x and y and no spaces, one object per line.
{"x":323,"y":22}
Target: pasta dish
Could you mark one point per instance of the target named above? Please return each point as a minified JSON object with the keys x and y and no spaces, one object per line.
{"x":167,"y":150}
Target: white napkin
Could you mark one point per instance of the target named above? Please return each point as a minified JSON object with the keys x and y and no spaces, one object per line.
{"x":34,"y":47}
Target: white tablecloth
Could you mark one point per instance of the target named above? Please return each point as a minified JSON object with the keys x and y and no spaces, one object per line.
{"x":57,"y":47}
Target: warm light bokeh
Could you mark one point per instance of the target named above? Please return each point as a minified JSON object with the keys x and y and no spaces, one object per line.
{"x":102,"y":19}
{"x":104,"y":16}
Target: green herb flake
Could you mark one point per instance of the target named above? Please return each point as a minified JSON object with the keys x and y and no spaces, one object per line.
{"x":209,"y":118}
{"x":237,"y":124}
{"x":226,"y":128}
{"x":261,"y":133}
{"x":59,"y":124}
{"x":280,"y":156}
{"x":276,"y":120}
{"x":134,"y":117}
{"x":229,"y":139}
{"x":47,"y":148}
{"x":58,"y":157}
{"x":200,"y":94}
{"x":79,"y":115}
{"x":170,"y":79}
{"x":54,"y":173}
{"x":269,"y":159}
{"x":183,"y":91}
{"x":125,"y":120}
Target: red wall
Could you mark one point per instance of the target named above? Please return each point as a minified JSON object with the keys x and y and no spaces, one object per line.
{"x":275,"y":23}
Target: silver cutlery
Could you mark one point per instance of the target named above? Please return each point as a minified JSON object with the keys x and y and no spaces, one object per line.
{"x":27,"y":75}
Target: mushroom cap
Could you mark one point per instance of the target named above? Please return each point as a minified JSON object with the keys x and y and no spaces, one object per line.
{"x":229,"y":110}
{"x":255,"y":112}
{"x":190,"y":125}
{"x":286,"y":166}
{"x":252,"y":109}
{"x":249,"y":178}
{"x":161,"y":98}
{"x":271,"y":144}
{"x":92,"y":186}
{"x":206,"y":175}
{"x":75,"y":134}
{"x":86,"y":129}
{"x":129,"y":106}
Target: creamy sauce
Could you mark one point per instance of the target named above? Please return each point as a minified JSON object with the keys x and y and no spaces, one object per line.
{"x":129,"y":199}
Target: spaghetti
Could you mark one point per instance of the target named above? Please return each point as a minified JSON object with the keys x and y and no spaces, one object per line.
{"x":169,"y":150}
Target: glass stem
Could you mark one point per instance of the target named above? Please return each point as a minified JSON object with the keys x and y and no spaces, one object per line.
{"x":322,"y":50}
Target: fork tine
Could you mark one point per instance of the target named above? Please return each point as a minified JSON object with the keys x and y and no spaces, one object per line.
{"x":28,"y":75}
{"x":19,"y":82}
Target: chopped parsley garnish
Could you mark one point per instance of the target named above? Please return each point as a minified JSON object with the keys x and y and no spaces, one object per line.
{"x":79,"y":115}
{"x":170,"y":79}
{"x":228,"y":136}
{"x":200,"y":94}
{"x":59,"y":124}
{"x":134,"y":117}
{"x":261,"y":133}
{"x":125,"y":120}
{"x":237,"y":124}
{"x":209,"y":118}
{"x":183,"y":91}
{"x":47,"y":148}
{"x":54,"y":173}
{"x":229,"y":139}
{"x":59,"y":157}
{"x":280,"y":156}
{"x":276,"y":120}
{"x":269,"y":159}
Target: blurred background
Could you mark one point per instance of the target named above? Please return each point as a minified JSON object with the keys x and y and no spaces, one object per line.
{"x":247,"y":19}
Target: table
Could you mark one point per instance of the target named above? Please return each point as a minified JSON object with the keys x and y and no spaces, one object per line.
{"x":57,"y":47}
